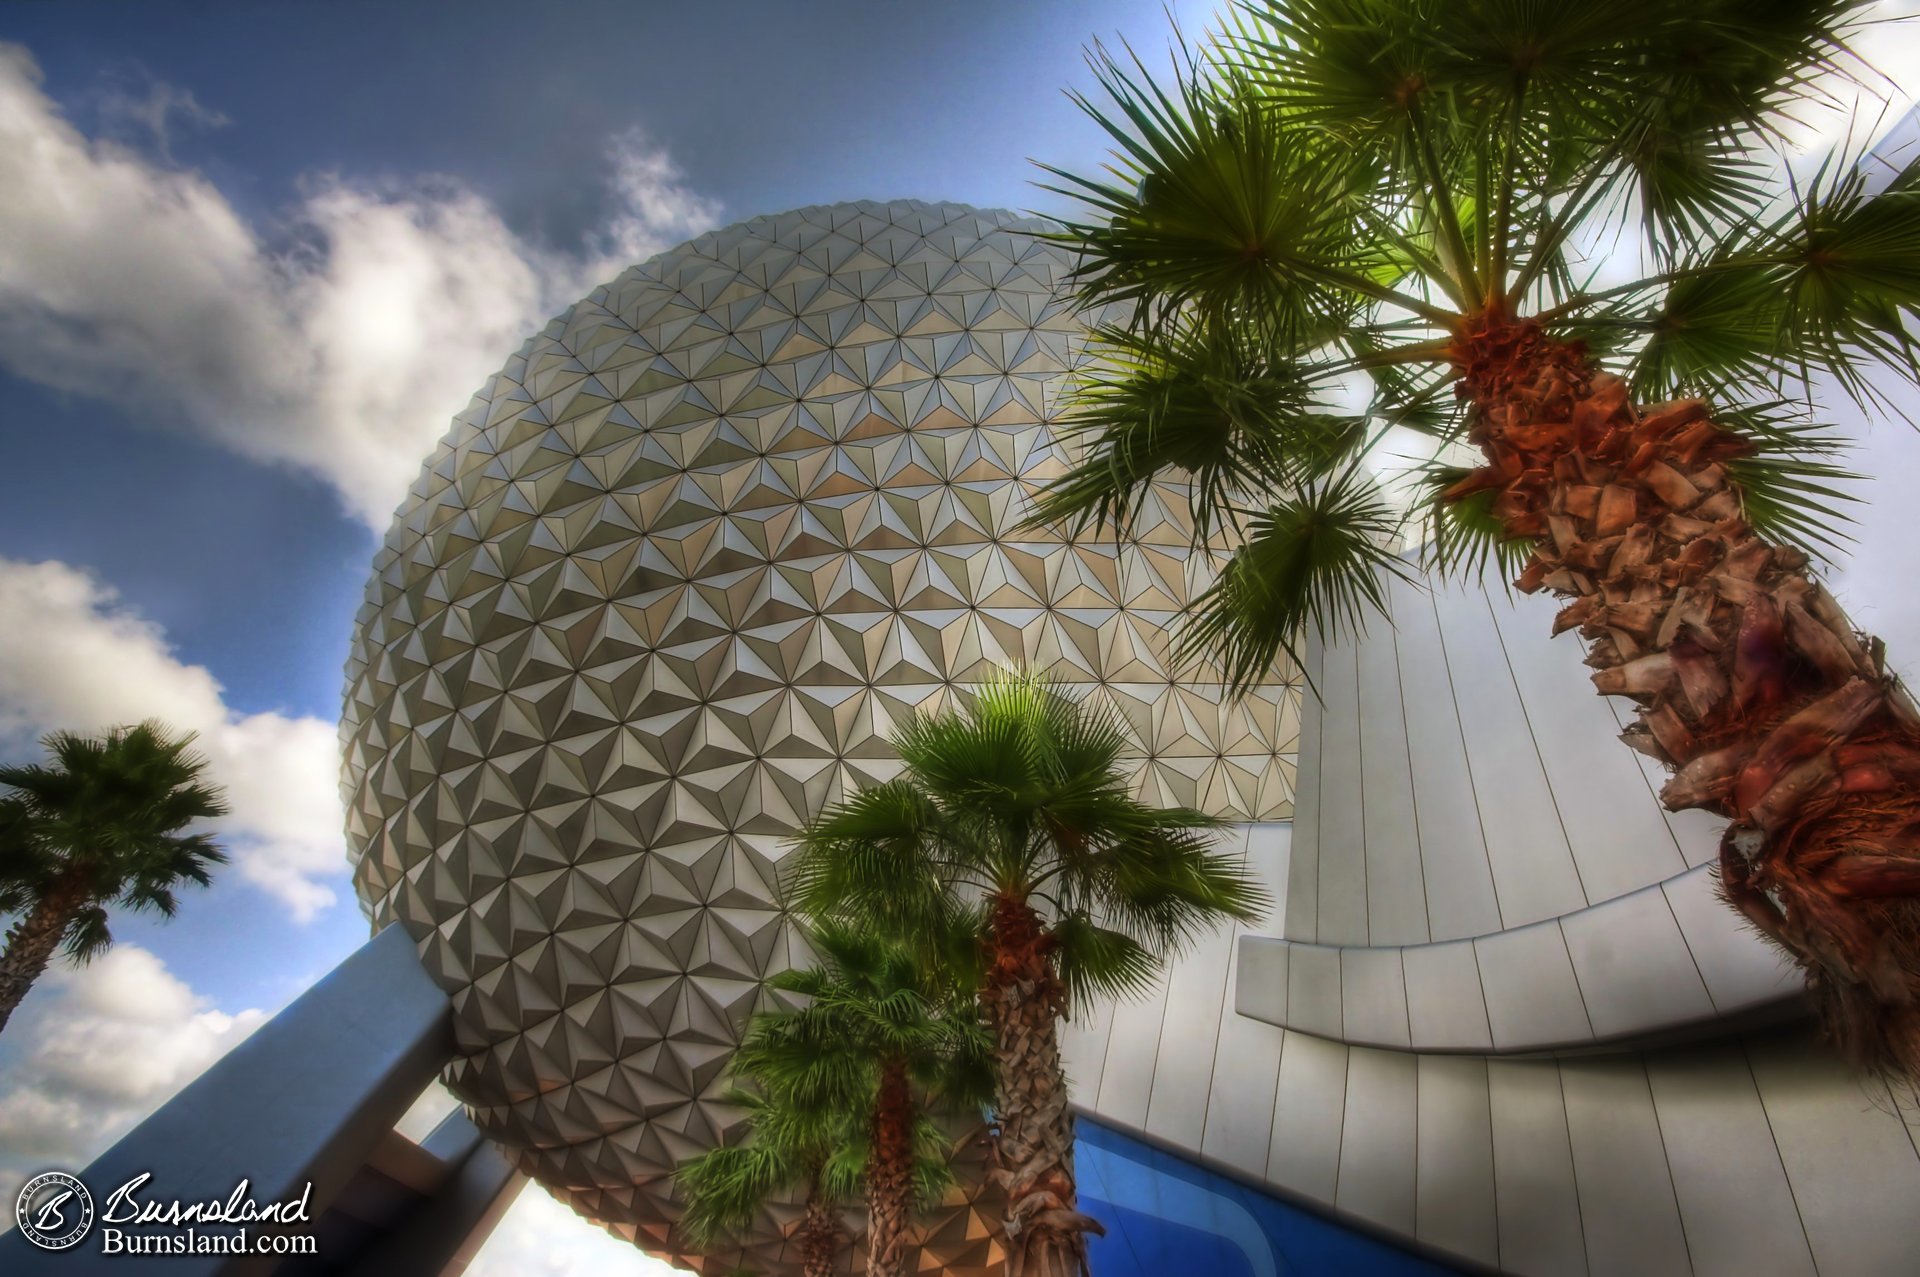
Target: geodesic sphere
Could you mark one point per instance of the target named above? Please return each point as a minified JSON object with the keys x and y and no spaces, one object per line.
{"x":663,"y":591}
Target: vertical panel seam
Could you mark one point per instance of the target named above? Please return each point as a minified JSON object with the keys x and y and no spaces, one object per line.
{"x":1159,"y":1033}
{"x":1573,"y":1165}
{"x":1273,"y":1109}
{"x":1691,"y":957}
{"x":1493,"y":1155}
{"x":1585,"y":1010}
{"x":1360,"y":775}
{"x":1413,"y":794}
{"x":1533,"y":736}
{"x":1220,"y":1018}
{"x":1666,"y":1158}
{"x":1753,"y":1079}
{"x":1466,"y":756}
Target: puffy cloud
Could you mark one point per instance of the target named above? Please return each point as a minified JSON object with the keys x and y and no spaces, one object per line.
{"x":345,"y":354}
{"x":109,"y":1043}
{"x":540,"y":1237}
{"x":72,"y":657}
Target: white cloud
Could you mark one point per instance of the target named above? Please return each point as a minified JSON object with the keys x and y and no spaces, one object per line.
{"x":72,"y":657}
{"x":110,"y":1042}
{"x":345,"y":356}
{"x":540,"y":1237}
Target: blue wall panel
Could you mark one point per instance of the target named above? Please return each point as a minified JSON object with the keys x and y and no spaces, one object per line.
{"x":1165,"y":1215}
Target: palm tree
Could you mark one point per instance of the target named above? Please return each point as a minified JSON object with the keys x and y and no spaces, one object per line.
{"x":849,"y":1091}
{"x":1418,"y":196}
{"x":99,"y":825}
{"x":786,"y":1147}
{"x":1014,"y":819}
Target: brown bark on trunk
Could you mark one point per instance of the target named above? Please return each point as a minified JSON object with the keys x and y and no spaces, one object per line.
{"x":890,"y":1174}
{"x":32,"y":941}
{"x":818,"y":1236}
{"x":1033,"y":1151}
{"x":1750,"y":682}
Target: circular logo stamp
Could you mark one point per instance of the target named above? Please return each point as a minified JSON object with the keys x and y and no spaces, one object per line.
{"x":54,"y":1211}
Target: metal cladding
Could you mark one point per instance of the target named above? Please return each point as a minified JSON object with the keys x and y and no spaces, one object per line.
{"x":664,"y":590}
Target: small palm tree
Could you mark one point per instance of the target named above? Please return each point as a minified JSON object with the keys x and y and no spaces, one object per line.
{"x":1014,"y":818}
{"x":1410,"y":200}
{"x":787,"y":1147}
{"x":849,"y":1089}
{"x":100,"y":825}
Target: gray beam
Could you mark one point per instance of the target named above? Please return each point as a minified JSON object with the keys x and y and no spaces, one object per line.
{"x":442,"y":1236}
{"x":304,"y":1100}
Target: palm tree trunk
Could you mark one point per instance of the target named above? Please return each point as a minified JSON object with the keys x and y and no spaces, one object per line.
{"x":818,"y":1235}
{"x":1023,"y":1002}
{"x":890,"y":1174}
{"x":31,"y":942}
{"x":1750,"y":682}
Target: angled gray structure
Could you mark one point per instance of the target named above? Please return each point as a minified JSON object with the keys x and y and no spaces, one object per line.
{"x":304,"y":1109}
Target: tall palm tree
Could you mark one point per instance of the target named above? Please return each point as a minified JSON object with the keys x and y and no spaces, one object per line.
{"x":850,"y":1087}
{"x":97,"y":826}
{"x":1422,"y":197}
{"x":1013,"y":818}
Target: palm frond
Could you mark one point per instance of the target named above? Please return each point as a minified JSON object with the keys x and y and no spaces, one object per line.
{"x":1213,"y":401}
{"x":1314,"y":562}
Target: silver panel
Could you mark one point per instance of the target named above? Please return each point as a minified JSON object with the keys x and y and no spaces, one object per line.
{"x":1533,"y":871}
{"x":1740,"y":969}
{"x":1083,"y":1046}
{"x":1189,"y":1033}
{"x":1373,"y":998}
{"x":1852,"y":1165}
{"x":1627,"y":1207}
{"x":1739,"y":1213}
{"x":1455,"y":1158}
{"x":1302,"y":904}
{"x":1538,"y":1209}
{"x":1396,"y":890}
{"x":1260,"y":978}
{"x":1313,"y":990}
{"x":1343,"y":861}
{"x":1532,"y":997}
{"x":1126,"y":1081}
{"x":1246,"y":1071}
{"x":1308,"y":1108}
{"x":1459,"y":881}
{"x":1445,"y":1008}
{"x":1377,"y":1145}
{"x":1269,"y":847}
{"x":1634,"y":969}
{"x":1619,"y":841}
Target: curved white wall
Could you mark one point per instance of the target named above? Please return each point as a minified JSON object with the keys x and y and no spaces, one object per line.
{"x":1461,"y":783}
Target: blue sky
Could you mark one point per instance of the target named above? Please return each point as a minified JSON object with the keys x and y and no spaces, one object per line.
{"x":252,"y":260}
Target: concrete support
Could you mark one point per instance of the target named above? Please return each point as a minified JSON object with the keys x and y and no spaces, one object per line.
{"x":304,"y":1101}
{"x":441,"y":1237}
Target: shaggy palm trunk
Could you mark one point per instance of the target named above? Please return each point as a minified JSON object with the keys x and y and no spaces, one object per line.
{"x":818,"y":1237}
{"x":31,"y":942}
{"x":1750,"y":682}
{"x":890,"y":1174}
{"x":1033,"y":1151}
